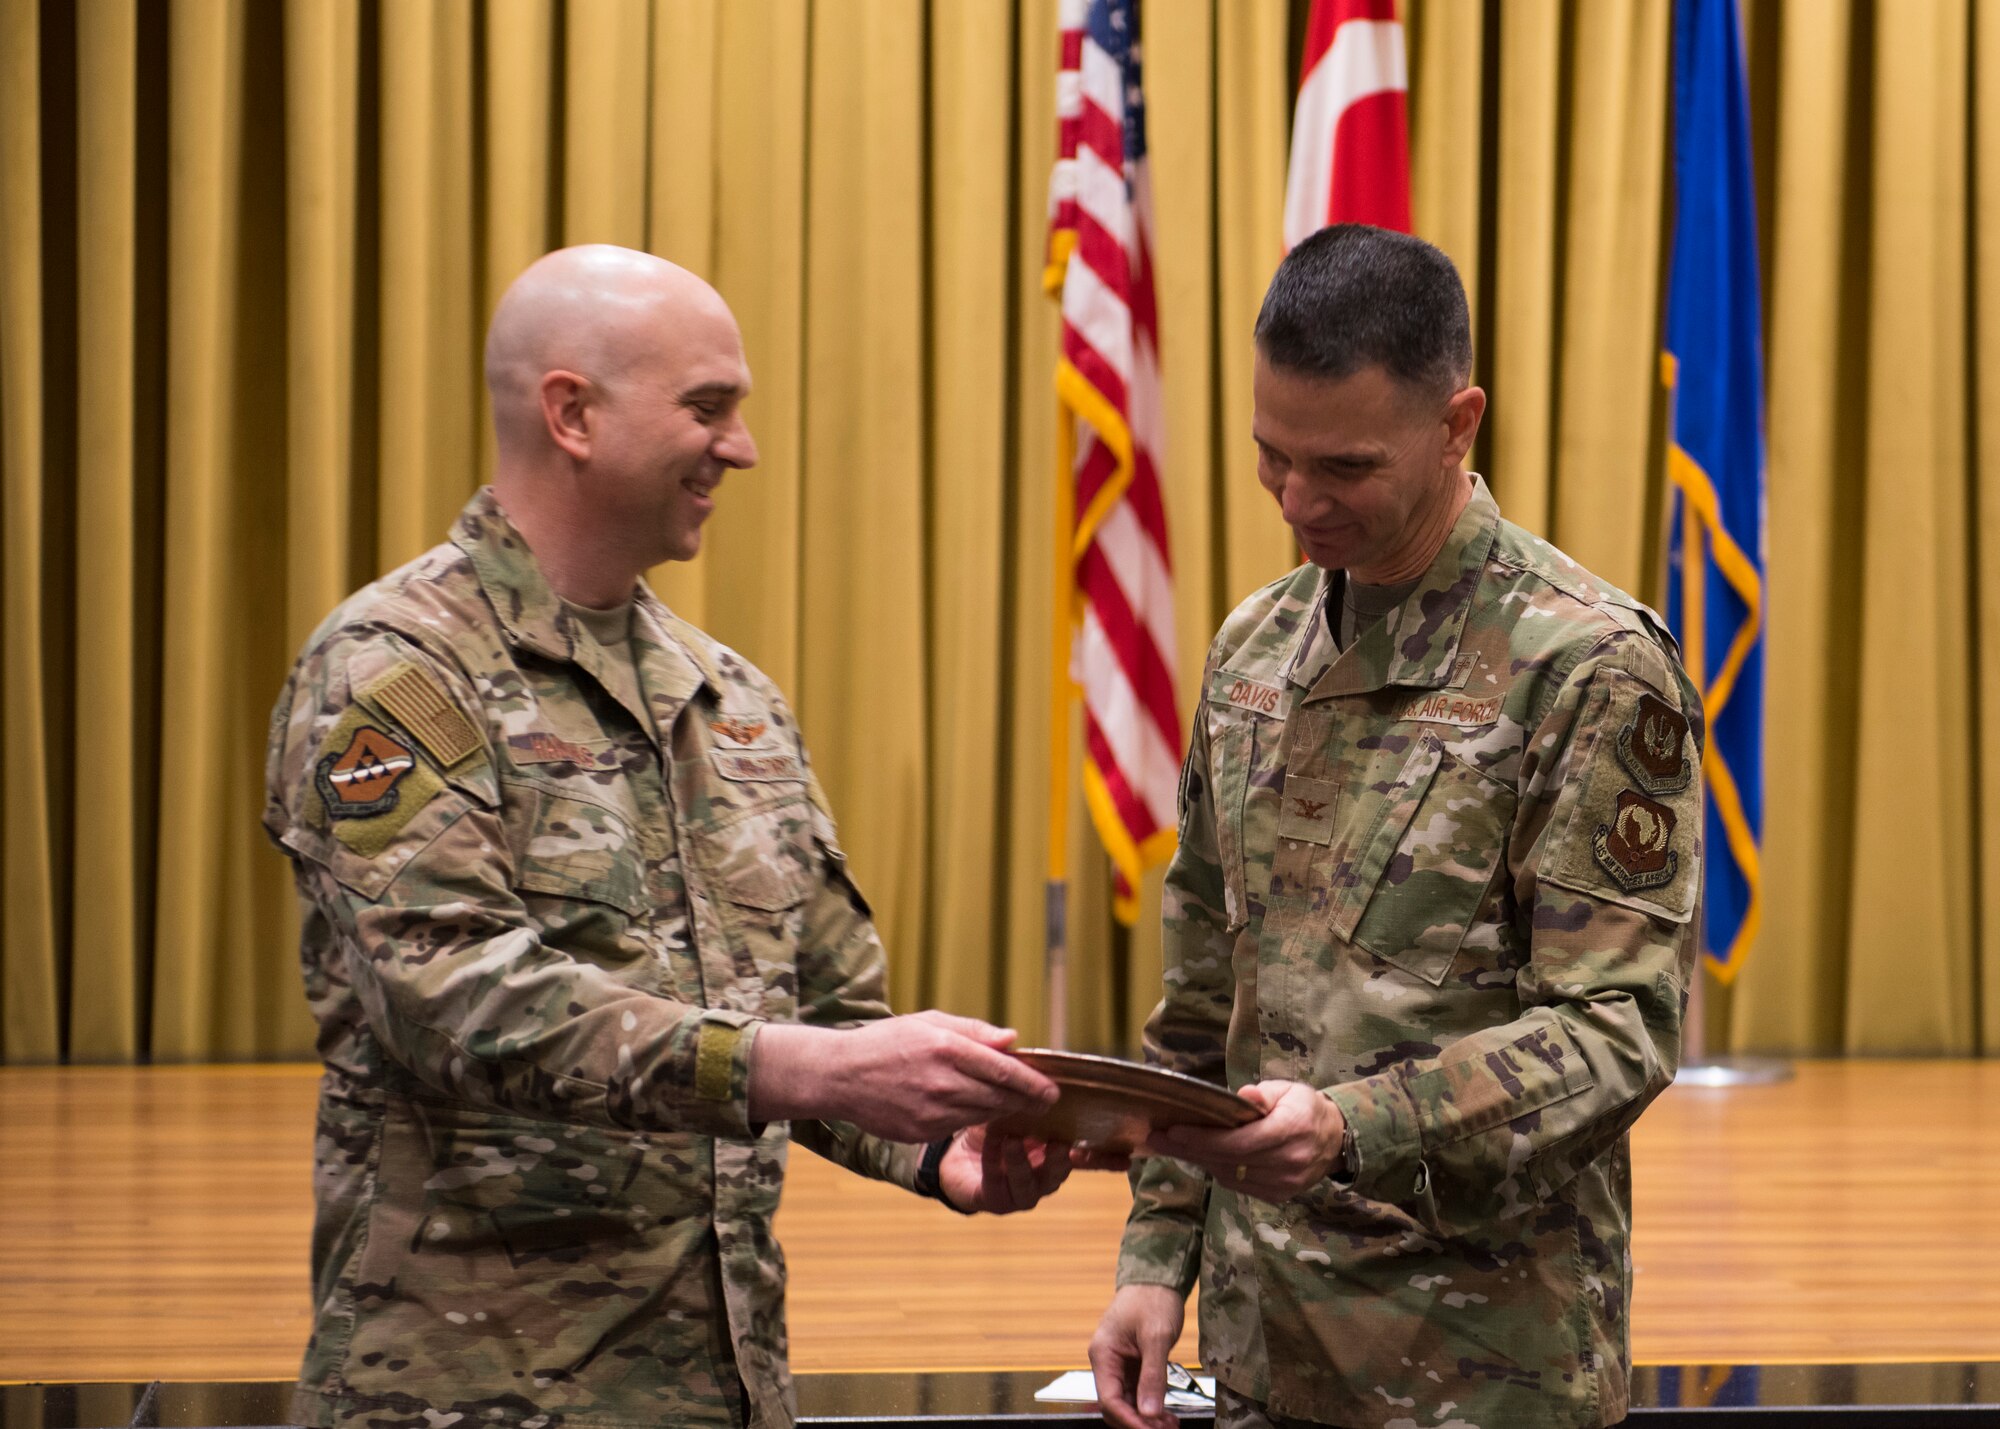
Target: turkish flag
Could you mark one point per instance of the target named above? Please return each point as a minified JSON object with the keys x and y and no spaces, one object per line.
{"x":1351,"y":133}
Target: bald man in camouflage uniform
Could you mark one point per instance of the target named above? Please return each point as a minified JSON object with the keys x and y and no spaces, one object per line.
{"x":1432,"y":910}
{"x":578,"y":929}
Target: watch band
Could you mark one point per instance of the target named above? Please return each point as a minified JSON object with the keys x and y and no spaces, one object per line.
{"x":928,"y":1183}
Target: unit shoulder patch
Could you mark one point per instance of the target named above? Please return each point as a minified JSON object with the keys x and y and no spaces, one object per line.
{"x":368,"y":783}
{"x":1635,"y":847}
{"x":361,"y":778}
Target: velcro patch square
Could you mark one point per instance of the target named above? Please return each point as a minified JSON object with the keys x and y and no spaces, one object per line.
{"x":715,"y":1060}
{"x":367,"y":784}
{"x":1627,"y":823}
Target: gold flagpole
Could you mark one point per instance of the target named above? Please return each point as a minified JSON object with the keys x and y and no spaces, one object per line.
{"x":1056,"y":912}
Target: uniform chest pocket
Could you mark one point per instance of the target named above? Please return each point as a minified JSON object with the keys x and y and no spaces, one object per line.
{"x":574,"y":849}
{"x":760,"y":859}
{"x":1426,"y":863}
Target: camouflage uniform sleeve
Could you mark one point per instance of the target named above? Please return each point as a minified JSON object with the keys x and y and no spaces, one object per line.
{"x":843,"y":976}
{"x":456,"y":983}
{"x":1605,"y":862}
{"x":1186,"y":1033}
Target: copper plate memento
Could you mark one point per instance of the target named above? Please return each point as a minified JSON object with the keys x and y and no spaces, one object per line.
{"x":1113,"y":1104}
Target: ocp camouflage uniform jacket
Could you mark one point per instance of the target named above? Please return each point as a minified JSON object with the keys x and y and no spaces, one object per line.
{"x":1448,"y":877}
{"x":546,"y":910}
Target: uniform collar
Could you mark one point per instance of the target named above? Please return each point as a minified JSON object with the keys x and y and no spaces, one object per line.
{"x":529,"y":610}
{"x":1416,"y":644}
{"x":679,"y":662}
{"x":671,"y":665}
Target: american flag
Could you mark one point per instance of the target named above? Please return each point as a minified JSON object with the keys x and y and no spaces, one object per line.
{"x":1116,"y":581}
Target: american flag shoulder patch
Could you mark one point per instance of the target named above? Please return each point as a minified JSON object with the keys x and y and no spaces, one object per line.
{"x":414,"y":698}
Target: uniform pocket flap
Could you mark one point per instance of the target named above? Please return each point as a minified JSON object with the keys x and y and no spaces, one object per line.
{"x":577,"y":849}
{"x":1429,"y":863}
{"x":772,"y":884}
{"x":760,"y":858}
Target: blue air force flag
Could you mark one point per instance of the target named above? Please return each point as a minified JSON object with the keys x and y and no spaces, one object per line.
{"x":1713,"y":366}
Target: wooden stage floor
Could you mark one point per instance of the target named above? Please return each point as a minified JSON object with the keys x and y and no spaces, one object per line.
{"x":154,"y":1222}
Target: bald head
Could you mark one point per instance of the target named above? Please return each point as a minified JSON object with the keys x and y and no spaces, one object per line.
{"x":597,"y":311}
{"x":617,"y":382}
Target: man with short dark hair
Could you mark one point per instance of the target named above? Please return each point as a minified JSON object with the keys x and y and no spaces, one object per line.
{"x":1432,"y":912}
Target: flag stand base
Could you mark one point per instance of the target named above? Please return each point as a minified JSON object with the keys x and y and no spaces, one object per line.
{"x":1698,"y":1069}
{"x":1734,"y":1072}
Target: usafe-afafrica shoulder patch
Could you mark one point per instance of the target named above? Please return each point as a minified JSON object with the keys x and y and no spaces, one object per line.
{"x":1652,"y":746}
{"x":368,"y":783}
{"x":413,"y":697}
{"x":1635,"y":848}
{"x":1244,"y":693}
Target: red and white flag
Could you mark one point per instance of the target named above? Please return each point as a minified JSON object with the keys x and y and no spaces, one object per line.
{"x":1116,"y":591}
{"x":1351,"y":133}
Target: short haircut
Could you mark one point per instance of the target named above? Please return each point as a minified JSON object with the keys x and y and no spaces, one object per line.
{"x":1352,"y":297}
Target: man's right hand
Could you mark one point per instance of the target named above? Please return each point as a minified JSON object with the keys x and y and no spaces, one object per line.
{"x":917,"y":1078}
{"x":1128,"y":1356}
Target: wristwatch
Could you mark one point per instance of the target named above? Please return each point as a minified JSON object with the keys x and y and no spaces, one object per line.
{"x":928,"y":1182}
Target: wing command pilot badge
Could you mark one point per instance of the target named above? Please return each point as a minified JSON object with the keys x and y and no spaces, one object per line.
{"x":1653,"y":747}
{"x":360,"y":781}
{"x":743,"y":731}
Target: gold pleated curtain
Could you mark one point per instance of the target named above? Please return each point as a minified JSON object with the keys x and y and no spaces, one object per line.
{"x":248,"y":252}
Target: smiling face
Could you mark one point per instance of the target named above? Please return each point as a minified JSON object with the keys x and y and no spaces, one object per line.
{"x":1366,"y":469}
{"x":671,"y":426}
{"x":617,"y":382}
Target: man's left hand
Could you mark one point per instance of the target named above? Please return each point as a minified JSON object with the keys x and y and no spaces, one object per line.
{"x":988,"y":1170}
{"x":1290,"y":1149}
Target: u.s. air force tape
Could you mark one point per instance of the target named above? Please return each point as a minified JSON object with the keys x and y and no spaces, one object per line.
{"x":413,"y":698}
